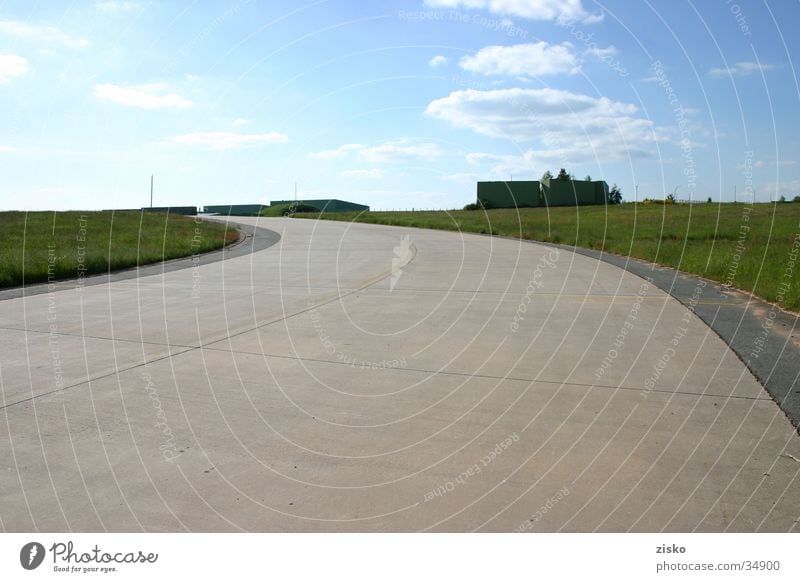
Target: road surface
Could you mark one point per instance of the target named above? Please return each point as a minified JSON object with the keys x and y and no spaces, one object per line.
{"x":355,"y":377}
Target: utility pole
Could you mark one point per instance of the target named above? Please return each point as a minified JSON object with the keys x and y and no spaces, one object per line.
{"x":636,"y":193}
{"x":151,"y":190}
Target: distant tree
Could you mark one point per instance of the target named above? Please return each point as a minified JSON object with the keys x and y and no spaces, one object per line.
{"x":563,"y":175}
{"x":709,"y":200}
{"x":614,"y":195}
{"x":796,"y":199}
{"x":588,"y":178}
{"x":548,"y":175}
{"x":782,"y":199}
{"x":670,"y":199}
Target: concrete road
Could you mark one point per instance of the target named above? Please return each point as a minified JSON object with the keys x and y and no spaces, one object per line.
{"x":368,"y":378}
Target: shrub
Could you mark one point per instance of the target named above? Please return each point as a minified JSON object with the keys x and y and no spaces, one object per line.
{"x":479,"y":205}
{"x":614,"y":195}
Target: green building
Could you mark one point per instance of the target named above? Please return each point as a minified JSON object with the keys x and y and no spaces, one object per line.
{"x":548,"y":192}
{"x":329,"y":205}
{"x":184,"y":210}
{"x":557,"y":192}
{"x":519,"y":194}
{"x":235,"y":209}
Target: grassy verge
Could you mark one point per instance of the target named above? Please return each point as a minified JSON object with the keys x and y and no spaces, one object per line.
{"x":46,"y":246}
{"x":751,"y":247}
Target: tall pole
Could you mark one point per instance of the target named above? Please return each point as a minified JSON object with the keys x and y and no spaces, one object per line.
{"x":151,"y":190}
{"x":734,"y":193}
{"x":636,"y":194}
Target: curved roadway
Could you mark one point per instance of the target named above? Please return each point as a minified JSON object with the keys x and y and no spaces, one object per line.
{"x":356,"y":377}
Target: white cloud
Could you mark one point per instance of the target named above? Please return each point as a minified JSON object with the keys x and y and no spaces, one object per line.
{"x":4,"y":149}
{"x":653,"y":78}
{"x":476,"y":159}
{"x":560,"y":10}
{"x":338,"y":153}
{"x":602,"y":53}
{"x":569,"y":126}
{"x":530,"y":59}
{"x":438,"y":61}
{"x":528,"y":165}
{"x":41,"y":34}
{"x":397,"y":150}
{"x":152,"y":96}
{"x":373,"y":173}
{"x":773,"y":163}
{"x":460,"y":177}
{"x":228,"y":140}
{"x":241,"y":122}
{"x":12,"y":66}
{"x":501,"y":166}
{"x":741,"y":69}
{"x":117,"y":6}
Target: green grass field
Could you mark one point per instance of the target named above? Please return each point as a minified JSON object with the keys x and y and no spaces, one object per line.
{"x":46,"y":246}
{"x":751,"y":247}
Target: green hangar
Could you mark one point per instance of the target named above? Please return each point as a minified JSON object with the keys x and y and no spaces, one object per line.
{"x":548,"y":192}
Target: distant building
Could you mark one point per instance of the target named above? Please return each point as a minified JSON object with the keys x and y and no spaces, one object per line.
{"x":328,"y":205}
{"x":235,"y":209}
{"x":574,"y":192}
{"x":184,"y":210}
{"x":548,"y":192}
{"x":519,"y":194}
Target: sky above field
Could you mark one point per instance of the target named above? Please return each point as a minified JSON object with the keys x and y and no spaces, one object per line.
{"x":393,"y":104}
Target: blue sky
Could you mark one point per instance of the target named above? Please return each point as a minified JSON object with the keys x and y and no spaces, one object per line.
{"x":392,"y":104}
